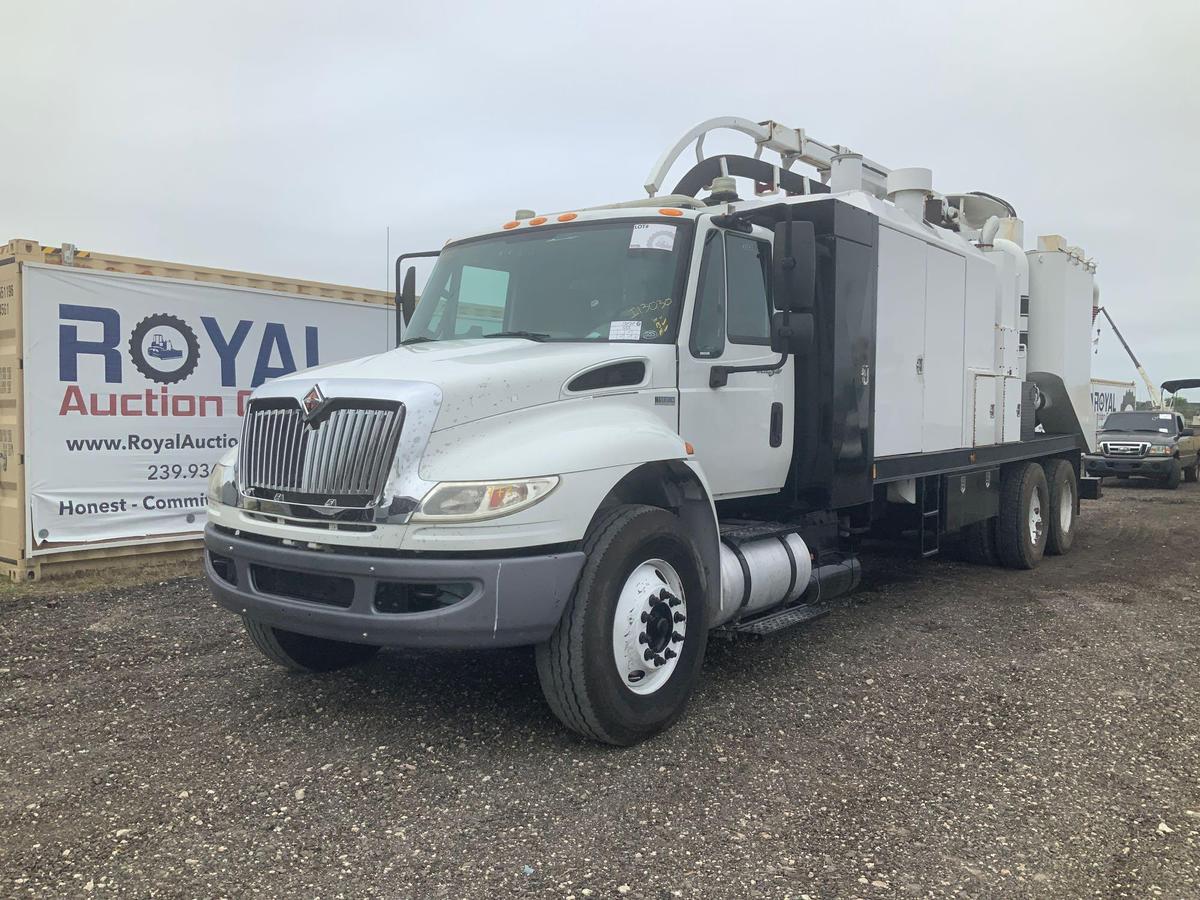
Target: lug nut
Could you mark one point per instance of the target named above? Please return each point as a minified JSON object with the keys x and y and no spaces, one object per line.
{"x":674,"y":601}
{"x":680,"y":617}
{"x":676,"y":637}
{"x":669,"y":653}
{"x":648,"y":655}
{"x":659,"y":661}
{"x":642,"y":639}
{"x":645,"y":617}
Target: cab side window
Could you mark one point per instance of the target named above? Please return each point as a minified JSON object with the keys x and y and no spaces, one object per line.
{"x":733,"y":296}
{"x":748,"y":264}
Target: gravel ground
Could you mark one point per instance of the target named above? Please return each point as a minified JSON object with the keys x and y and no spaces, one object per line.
{"x":958,"y":730}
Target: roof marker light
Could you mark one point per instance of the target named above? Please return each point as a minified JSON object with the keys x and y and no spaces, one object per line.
{"x":538,"y":220}
{"x":668,"y":211}
{"x":510,"y":224}
{"x":567,"y":217}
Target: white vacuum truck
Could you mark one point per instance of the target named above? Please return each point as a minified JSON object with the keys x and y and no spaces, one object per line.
{"x":608,"y":432}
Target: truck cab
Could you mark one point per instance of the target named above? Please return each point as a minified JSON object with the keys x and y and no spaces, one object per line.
{"x":1154,"y":444}
{"x":611,"y":432}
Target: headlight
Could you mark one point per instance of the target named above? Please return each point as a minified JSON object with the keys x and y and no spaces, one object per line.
{"x":1160,"y":450}
{"x":221,"y":489}
{"x":462,"y":501}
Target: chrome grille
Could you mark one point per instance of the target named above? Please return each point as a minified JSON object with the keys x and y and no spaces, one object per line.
{"x":340,"y":458}
{"x":1124,"y":448}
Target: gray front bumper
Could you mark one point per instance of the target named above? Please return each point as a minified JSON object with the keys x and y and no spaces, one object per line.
{"x":513,"y":600}
{"x":1155,"y":466}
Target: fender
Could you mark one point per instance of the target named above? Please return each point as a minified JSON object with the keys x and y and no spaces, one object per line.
{"x":554,"y":439}
{"x":606,"y":449}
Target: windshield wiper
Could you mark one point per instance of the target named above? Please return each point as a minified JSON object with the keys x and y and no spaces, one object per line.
{"x":415,"y":340}
{"x":529,"y":335}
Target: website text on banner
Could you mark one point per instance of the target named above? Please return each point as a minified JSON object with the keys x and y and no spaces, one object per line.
{"x":136,"y":385}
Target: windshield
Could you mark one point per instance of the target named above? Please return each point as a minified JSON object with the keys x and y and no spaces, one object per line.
{"x":1151,"y":422}
{"x":606,"y":281}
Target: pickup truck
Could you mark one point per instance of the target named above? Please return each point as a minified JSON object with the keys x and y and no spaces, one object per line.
{"x":1146,"y":444}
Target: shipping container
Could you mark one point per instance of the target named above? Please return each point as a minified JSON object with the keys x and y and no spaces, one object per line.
{"x":87,"y":403}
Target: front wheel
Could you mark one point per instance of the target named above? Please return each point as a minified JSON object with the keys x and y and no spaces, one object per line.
{"x":1192,"y":473}
{"x":1174,"y":475}
{"x":622,"y":663}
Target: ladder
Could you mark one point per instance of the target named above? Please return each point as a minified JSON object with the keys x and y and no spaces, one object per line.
{"x":931,"y":515}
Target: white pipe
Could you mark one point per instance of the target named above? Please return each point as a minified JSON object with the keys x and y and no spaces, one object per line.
{"x":989,"y":231}
{"x":1022,"y":262}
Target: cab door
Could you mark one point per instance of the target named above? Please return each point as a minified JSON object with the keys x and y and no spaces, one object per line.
{"x":742,"y":431}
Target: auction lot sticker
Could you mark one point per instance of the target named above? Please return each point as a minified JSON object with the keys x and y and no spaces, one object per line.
{"x":136,"y":385}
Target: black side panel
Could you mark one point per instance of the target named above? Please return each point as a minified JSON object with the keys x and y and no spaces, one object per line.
{"x":970,"y":497}
{"x":835,"y":389}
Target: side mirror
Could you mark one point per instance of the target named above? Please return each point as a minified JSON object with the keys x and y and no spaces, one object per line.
{"x":408,"y":294}
{"x":792,"y":332}
{"x":1188,"y":432}
{"x":794,"y":267}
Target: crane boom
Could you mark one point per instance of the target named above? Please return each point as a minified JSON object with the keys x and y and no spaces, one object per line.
{"x":1155,"y":396}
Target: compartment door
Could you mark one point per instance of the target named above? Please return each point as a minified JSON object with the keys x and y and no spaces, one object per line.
{"x":945,"y":309}
{"x":899,"y":344}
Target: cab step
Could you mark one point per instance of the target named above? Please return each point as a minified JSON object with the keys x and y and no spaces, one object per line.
{"x":776,"y":621}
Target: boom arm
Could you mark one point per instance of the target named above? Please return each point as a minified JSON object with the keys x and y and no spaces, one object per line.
{"x":792,"y":145}
{"x":1155,"y":396}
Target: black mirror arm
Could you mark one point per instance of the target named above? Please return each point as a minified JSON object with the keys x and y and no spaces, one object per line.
{"x":718,"y":376}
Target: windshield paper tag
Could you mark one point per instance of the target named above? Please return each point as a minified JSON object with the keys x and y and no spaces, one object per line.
{"x":652,"y":236}
{"x":629,"y":330}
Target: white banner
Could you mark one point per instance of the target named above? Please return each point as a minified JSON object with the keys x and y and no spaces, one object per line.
{"x":1111,"y":396}
{"x":136,"y":385}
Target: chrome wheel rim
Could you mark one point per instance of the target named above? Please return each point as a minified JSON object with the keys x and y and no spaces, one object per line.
{"x":1035,"y":518}
{"x":650,"y":626}
{"x":1066,"y":510}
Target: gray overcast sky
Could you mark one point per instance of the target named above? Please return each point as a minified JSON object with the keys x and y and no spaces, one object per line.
{"x":284,"y":137}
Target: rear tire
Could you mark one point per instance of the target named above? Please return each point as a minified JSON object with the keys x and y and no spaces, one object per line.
{"x":303,"y":652}
{"x":1064,"y":489}
{"x":979,"y":543}
{"x":1021,"y":529}
{"x":1174,"y":476}
{"x":633,"y":553}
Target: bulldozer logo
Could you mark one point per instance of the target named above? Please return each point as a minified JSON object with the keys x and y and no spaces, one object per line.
{"x":164,"y":348}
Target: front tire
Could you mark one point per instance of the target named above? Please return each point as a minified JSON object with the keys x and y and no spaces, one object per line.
{"x":1021,"y":530}
{"x":303,"y":652}
{"x":1064,"y":489}
{"x":1174,"y":476}
{"x":622,"y":663}
{"x":1192,"y":473}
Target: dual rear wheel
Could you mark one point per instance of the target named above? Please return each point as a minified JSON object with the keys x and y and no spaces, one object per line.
{"x":1038,"y":505}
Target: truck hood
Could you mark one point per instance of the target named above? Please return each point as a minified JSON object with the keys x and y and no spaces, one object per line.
{"x":1135,"y":437}
{"x":484,"y":377}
